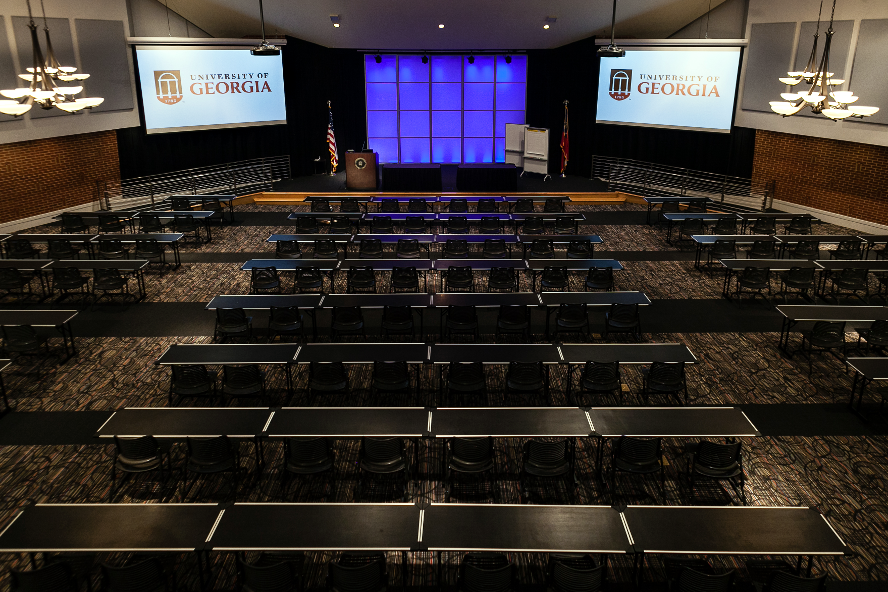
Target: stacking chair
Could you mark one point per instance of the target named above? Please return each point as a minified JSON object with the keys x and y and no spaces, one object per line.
{"x":565,"y":225}
{"x":137,"y":455}
{"x":534,"y":226}
{"x":764,"y":226}
{"x":691,"y":580}
{"x":232,"y":322}
{"x":244,"y":381}
{"x":825,"y":336}
{"x":20,"y":248}
{"x":389,"y":206}
{"x":799,"y":279}
{"x":455,"y":249}
{"x":526,"y":379}
{"x":23,"y":339}
{"x":762,"y":250}
{"x":466,"y":378}
{"x":502,"y":278}
{"x":186,"y":224}
{"x":850,"y":249}
{"x":725,"y":226}
{"x":107,"y":281}
{"x":553,"y":205}
{"x":397,"y":320}
{"x":458,"y":206}
{"x":469,"y":456}
{"x":270,"y":574}
{"x":542,"y":248}
{"x":637,"y":456}
{"x":180,"y":204}
{"x":213,"y":205}
{"x":61,"y":248}
{"x":285,"y":320}
{"x":73,"y":223}
{"x":382,"y":456}
{"x":347,"y":320}
{"x":876,"y":335}
{"x":52,"y":577}
{"x":211,"y":456}
{"x":576,"y":572}
{"x":487,"y":205}
{"x":265,"y":279}
{"x":513,"y":319}
{"x":145,"y":575}
{"x":326,"y":377}
{"x":851,"y":281}
{"x":417,"y":205}
{"x":486,"y":572}
{"x":664,"y":378}
{"x":600,"y":378}
{"x":111,"y":248}
{"x":415,"y":225}
{"x":349,"y":205}
{"x":548,"y":460}
{"x":805,"y":250}
{"x":408,"y":248}
{"x":341,"y":225}
{"x":390,"y":378}
{"x":288,"y":249}
{"x":404,"y":278}
{"x":382,"y":225}
{"x":799,"y":225}
{"x":579,"y":249}
{"x":12,"y":280}
{"x":667,"y":208}
{"x":150,"y":250}
{"x":111,"y":223}
{"x":326,"y":249}
{"x":718,"y":462}
{"x":69,"y":279}
{"x":191,"y":381}
{"x":321,"y":205}
{"x":460,"y":319}
{"x":755,"y":280}
{"x":599,"y":278}
{"x":622,"y":318}
{"x":673,"y":565}
{"x":554,"y":277}
{"x":357,"y":572}
{"x":309,"y":279}
{"x":360,"y":279}
{"x":456,"y":225}
{"x":721,"y":249}
{"x":572,"y":318}
{"x":781,"y":581}
{"x":308,"y":456}
{"x":307,"y":225}
{"x":459,"y":278}
{"x":523,"y":206}
{"x":150,"y":223}
{"x":696,"y":208}
{"x":370,"y":248}
{"x":490,"y":225}
{"x":494,"y":248}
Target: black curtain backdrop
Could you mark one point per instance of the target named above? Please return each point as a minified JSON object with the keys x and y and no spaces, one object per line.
{"x":314,"y":74}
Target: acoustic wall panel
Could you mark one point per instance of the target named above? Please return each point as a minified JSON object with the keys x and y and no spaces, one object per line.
{"x":62,"y":44}
{"x":838,"y":53}
{"x":8,"y":78}
{"x":767,"y":59}
{"x":868,"y":79}
{"x":103,"y":55}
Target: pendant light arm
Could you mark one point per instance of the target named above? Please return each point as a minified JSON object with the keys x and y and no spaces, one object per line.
{"x":613,"y":21}
{"x":261,"y":20}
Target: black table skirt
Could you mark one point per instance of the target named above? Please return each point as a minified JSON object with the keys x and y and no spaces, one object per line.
{"x":411,"y":177}
{"x":487,"y":177}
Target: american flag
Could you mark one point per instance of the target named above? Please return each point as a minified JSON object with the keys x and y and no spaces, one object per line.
{"x":565,"y":142}
{"x":331,"y":141}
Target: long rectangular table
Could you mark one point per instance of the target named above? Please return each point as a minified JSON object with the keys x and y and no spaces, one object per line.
{"x":672,"y":219}
{"x":707,"y":240}
{"x":535,"y":266}
{"x":294,"y":265}
{"x":187,"y":422}
{"x":134,"y":267}
{"x":866,"y":370}
{"x":84,"y":239}
{"x":164,"y":238}
{"x":60,"y":319}
{"x":527,"y":240}
{"x":350,"y":422}
{"x":198,"y":215}
{"x":732,"y":266}
{"x":794,"y":314}
{"x":791,"y":239}
{"x":787,"y":217}
{"x":654,"y":200}
{"x":226,"y":200}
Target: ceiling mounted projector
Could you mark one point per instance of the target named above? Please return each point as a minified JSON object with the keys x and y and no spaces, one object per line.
{"x":265,"y":48}
{"x":612,"y":51}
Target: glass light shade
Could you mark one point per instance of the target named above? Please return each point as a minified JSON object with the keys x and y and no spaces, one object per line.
{"x":811,"y":98}
{"x":49,"y":70}
{"x":13,"y":108}
{"x":69,"y":90}
{"x":70,"y":107}
{"x":67,"y":77}
{"x":43,"y":94}
{"x":67,"y":69}
{"x":837,"y":113}
{"x":860,"y":110}
{"x":783,"y":108}
{"x":796,"y":74}
{"x":28,"y":77}
{"x":91,"y":102}
{"x":790,"y":81}
{"x":790,"y":96}
{"x":16,"y":93}
{"x":843,"y":96}
{"x":79,"y":76}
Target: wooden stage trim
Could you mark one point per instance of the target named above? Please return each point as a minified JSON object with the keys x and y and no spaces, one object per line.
{"x":291,"y":198}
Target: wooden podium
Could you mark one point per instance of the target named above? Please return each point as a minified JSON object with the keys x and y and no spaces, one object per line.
{"x":360,"y":171}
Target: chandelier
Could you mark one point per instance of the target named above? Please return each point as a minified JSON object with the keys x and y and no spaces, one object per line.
{"x":47,"y":80}
{"x":821,"y":81}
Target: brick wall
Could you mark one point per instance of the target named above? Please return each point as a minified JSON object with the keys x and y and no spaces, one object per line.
{"x":840,"y":177}
{"x":45,"y":175}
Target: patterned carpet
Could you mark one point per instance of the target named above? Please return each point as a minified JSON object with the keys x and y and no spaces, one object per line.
{"x":845,"y":478}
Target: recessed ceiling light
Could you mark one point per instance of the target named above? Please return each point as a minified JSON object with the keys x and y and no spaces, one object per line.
{"x":334,"y":18}
{"x":441,"y":26}
{"x":550,"y":20}
{"x":545,"y":26}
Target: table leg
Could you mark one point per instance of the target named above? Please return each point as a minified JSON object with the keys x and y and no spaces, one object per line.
{"x":698,"y":256}
{"x":140,"y":280}
{"x":569,"y":379}
{"x":67,"y":333}
{"x":650,"y":207}
{"x":6,"y":406}
{"x":176,"y":257}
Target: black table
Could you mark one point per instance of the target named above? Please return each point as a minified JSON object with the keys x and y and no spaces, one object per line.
{"x":872,"y":240}
{"x":753,"y":530}
{"x":294,"y":265}
{"x":198,"y":215}
{"x":475,"y":217}
{"x":829,"y":266}
{"x":535,"y":266}
{"x":187,"y":422}
{"x":527,"y":239}
{"x":60,"y":319}
{"x":594,"y":298}
{"x":110,"y":528}
{"x":363,"y":353}
{"x":474,"y":239}
{"x":652,"y":201}
{"x":163,"y":238}
{"x":134,"y":267}
{"x":399,"y":216}
{"x":325,"y":215}
{"x":417,"y":302}
{"x":444,"y":353}
{"x":336,"y":238}
{"x":84,"y":239}
{"x":707,"y":240}
{"x":524,"y":528}
{"x":486,"y":177}
{"x":4,"y":364}
{"x":550,"y":216}
{"x":866,"y":370}
{"x":265,"y":301}
{"x":485,"y":300}
{"x":746,"y":217}
{"x":480,"y":264}
{"x":671,"y":422}
{"x":510,"y":422}
{"x":226,"y":201}
{"x":792,"y":239}
{"x":733,"y":265}
{"x":513,"y":199}
{"x":681,"y":216}
{"x":794,"y":314}
{"x":411,"y":177}
{"x":350,"y":422}
{"x":35,"y":266}
{"x":422,"y":266}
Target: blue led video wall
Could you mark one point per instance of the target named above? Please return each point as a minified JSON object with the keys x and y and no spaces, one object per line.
{"x":445,"y":111}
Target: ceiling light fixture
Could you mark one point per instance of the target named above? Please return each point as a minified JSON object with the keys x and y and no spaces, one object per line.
{"x":265,"y":48}
{"x":42,"y":77}
{"x":441,"y":26}
{"x":821,"y":81}
{"x":334,"y":18}
{"x":612,"y":51}
{"x":550,"y":20}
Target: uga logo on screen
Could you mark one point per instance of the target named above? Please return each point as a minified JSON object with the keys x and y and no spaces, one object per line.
{"x":620,"y":84}
{"x":168,"y":86}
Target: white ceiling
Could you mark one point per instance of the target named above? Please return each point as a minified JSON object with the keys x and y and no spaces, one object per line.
{"x":468,"y":24}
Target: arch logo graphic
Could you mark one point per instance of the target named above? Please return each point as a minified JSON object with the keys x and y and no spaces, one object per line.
{"x":168,"y":86}
{"x":620,"y":84}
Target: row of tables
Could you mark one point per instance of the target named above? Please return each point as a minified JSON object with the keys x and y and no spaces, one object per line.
{"x":441,"y":217}
{"x":783,"y":241}
{"x":510,"y":200}
{"x":88,"y":241}
{"x":825,"y":267}
{"x":744,"y":218}
{"x":42,"y":267}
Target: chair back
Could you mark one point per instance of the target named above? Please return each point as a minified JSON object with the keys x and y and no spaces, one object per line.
{"x":285,"y":315}
{"x":211,"y":450}
{"x":781,"y":581}
{"x":148,"y":246}
{"x":472,"y":450}
{"x":276,"y":577}
{"x":135,"y":449}
{"x":349,"y":205}
{"x":321,"y":205}
{"x":533,"y":226}
{"x":763,"y":248}
{"x":108,"y":278}
{"x":371,"y":247}
{"x":543,"y":453}
{"x":60,"y":247}
{"x":381,"y":225}
{"x":325,"y":249}
{"x":415,"y":225}
{"x":640,"y":451}
{"x":603,"y":276}
{"x":457,"y":273}
{"x":404,"y":274}
{"x":579,"y":248}
{"x":878,"y":330}
{"x":799,"y":224}
{"x":725,"y":226}
{"x":692,"y":226}
{"x":382,"y":450}
{"x":623,"y":313}
{"x":180,"y":204}
{"x":604,"y":375}
{"x":495,"y":246}
{"x":417,"y":205}
{"x":190,"y":376}
{"x":458,"y":206}
{"x":759,"y":275}
{"x":369,"y":577}
{"x":456,"y":247}
{"x":110,"y":246}
{"x":667,"y":373}
{"x":691,"y":580}
{"x":73,"y":223}
{"x":854,"y":276}
{"x":408,"y":246}
{"x":523,"y":206}
{"x":828,"y":332}
{"x":483,"y":574}
{"x":18,"y":245}
{"x":486,"y":205}
{"x":307,"y":451}
{"x":554,"y":273}
{"x":764,"y":226}
{"x":389,"y":206}
{"x":457,"y":224}
{"x":579,"y":574}
{"x":850,"y":245}
{"x":144,"y":576}
{"x":308,"y":275}
{"x":288,"y":248}
{"x":211,"y":204}
{"x":490,"y":225}
{"x":264,"y":275}
{"x":542,"y":248}
{"x":231,"y":317}
{"x":67,"y":277}
{"x":723,"y":247}
{"x":241,"y":377}
{"x":718,"y":456}
{"x":110,"y":223}
{"x":54,"y":577}
{"x":340,"y":225}
{"x":306,"y":224}
{"x":553,"y":205}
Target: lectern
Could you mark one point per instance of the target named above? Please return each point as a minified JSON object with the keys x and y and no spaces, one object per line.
{"x":360,"y":171}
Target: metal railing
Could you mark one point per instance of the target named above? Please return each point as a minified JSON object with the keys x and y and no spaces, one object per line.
{"x":239,"y":178}
{"x":647,"y":178}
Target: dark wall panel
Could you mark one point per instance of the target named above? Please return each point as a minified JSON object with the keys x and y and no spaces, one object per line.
{"x":8,"y":78}
{"x":103,"y":55}
{"x":770,"y":46}
{"x":868,"y":79}
{"x":62,"y":44}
